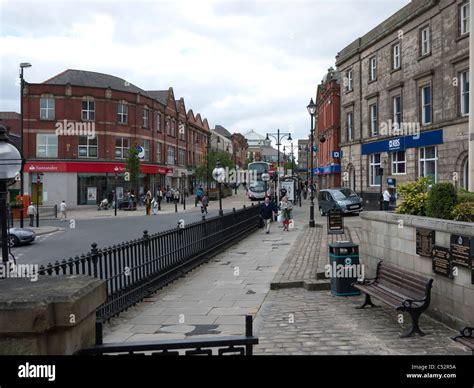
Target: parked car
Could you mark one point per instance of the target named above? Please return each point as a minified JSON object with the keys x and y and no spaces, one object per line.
{"x":339,"y":198}
{"x":19,"y":236}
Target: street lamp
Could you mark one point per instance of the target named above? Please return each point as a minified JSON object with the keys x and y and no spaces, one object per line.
{"x":219,"y":175}
{"x":23,"y":65}
{"x":312,"y":110}
{"x":218,"y":140}
{"x":11,"y":163}
{"x":278,"y":136}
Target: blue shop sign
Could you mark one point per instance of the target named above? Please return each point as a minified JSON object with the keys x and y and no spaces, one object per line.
{"x":402,"y":143}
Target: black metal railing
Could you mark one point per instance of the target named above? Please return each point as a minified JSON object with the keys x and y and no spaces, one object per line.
{"x":225,"y":345}
{"x":135,"y":269}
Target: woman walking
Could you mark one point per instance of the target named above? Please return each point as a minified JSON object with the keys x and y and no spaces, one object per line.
{"x":286,"y":209}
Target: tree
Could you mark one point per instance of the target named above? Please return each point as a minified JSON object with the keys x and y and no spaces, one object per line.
{"x":214,"y":156}
{"x":132,"y":166}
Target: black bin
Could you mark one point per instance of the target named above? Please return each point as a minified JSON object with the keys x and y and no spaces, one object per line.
{"x":344,"y":268}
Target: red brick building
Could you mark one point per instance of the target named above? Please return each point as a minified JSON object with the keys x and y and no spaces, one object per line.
{"x":328,"y":131}
{"x":60,"y":115}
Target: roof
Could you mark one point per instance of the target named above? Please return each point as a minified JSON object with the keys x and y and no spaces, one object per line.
{"x":388,"y":26}
{"x":222,"y":131}
{"x":252,"y":135}
{"x":267,"y":150}
{"x":331,"y":75}
{"x":159,"y":95}
{"x":9,"y":116}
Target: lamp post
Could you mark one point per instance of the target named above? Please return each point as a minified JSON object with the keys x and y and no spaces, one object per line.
{"x":23,"y":65}
{"x":312,"y":110}
{"x":11,"y":163}
{"x":183,"y":195}
{"x":278,"y":136}
{"x":219,"y":175}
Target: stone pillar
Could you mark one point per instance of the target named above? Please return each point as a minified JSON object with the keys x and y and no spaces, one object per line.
{"x":54,"y":315}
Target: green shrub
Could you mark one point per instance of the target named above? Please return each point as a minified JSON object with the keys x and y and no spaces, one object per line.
{"x":463,"y":211}
{"x":442,"y":198}
{"x":414,"y":196}
{"x":465,"y":196}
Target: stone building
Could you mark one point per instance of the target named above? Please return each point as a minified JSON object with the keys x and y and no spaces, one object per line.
{"x":404,"y":98}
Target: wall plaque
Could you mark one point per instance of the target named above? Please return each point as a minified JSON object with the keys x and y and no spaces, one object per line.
{"x":442,"y":263}
{"x":462,"y":250}
{"x":425,"y":241}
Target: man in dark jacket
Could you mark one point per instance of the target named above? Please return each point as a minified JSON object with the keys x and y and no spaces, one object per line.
{"x":267,"y":213}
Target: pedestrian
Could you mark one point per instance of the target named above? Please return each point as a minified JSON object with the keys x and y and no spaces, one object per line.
{"x":31,"y":211}
{"x":199,"y":195}
{"x":62,"y":211}
{"x":148,"y":203}
{"x":386,"y":199}
{"x":168,"y":195}
{"x":186,"y":192}
{"x":267,"y":212}
{"x":154,"y":204}
{"x":286,"y":210}
{"x":159,"y":198}
{"x":204,"y":203}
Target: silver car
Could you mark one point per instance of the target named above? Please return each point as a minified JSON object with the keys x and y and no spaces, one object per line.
{"x":343,"y":199}
{"x":19,"y":236}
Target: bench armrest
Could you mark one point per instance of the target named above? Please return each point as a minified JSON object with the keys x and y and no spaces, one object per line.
{"x":467,"y":332}
{"x":366,"y":281}
{"x":407,"y":303}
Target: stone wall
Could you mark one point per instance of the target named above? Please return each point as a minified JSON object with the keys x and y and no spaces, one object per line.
{"x":382,"y":238}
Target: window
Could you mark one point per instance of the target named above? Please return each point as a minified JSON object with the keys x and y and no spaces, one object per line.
{"x":464,"y":93}
{"x":122,"y":146}
{"x":350,"y":129}
{"x":397,"y":112}
{"x":145,"y":117}
{"x":146,"y":146}
{"x":173,"y":128}
{"x":374,"y":128}
{"x":396,"y":56}
{"x":398,"y":163}
{"x":464,"y":18}
{"x":171,"y":152}
{"x":426,"y":105}
{"x":122,"y":113}
{"x":373,"y":69}
{"x":425,"y":39}
{"x":46,"y":146}
{"x":374,"y":179}
{"x":159,"y":153}
{"x":46,"y":108}
{"x":88,"y":147}
{"x":168,"y":127}
{"x":181,"y":157}
{"x":88,"y":110}
{"x":158,"y":122}
{"x":349,"y":81}
{"x":428,"y":165}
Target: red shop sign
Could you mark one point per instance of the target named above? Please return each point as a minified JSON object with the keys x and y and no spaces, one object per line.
{"x":34,"y":167}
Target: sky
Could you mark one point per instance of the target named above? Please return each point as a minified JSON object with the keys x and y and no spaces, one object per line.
{"x":241,"y":64}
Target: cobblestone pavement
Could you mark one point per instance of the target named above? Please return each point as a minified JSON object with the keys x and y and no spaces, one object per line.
{"x":301,"y":322}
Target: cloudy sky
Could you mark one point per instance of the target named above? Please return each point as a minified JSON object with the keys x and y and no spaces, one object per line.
{"x":242,"y":64}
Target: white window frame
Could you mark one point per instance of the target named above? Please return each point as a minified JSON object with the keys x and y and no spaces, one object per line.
{"x":464,"y":18}
{"x":373,"y":68}
{"x":396,"y":53}
{"x":374,"y":120}
{"x":464,"y":106}
{"x":373,"y":170}
{"x":170,"y":156}
{"x":47,"y":112}
{"x":397,"y":114}
{"x":88,"y":147}
{"x":159,"y":152}
{"x":422,"y":160}
{"x":350,"y":81}
{"x":350,"y":126}
{"x":146,"y":147}
{"x":122,"y":148}
{"x":122,"y":113}
{"x":50,"y":145}
{"x":425,"y":40}
{"x":158,"y":121}
{"x":181,"y":157}
{"x":88,"y":113}
{"x":146,"y":118}
{"x":396,"y":162}
{"x":424,"y":105}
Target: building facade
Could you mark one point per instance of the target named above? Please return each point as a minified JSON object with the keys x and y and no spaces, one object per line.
{"x":328,"y":129}
{"x":79,"y":127}
{"x":405,"y":99}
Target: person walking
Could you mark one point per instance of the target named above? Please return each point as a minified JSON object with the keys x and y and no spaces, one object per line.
{"x":154,"y":205}
{"x":386,"y":199}
{"x":267,"y":212}
{"x":168,"y":195}
{"x":286,"y":209}
{"x":148,"y":202}
{"x":31,"y":211}
{"x":204,"y":204}
{"x":62,"y":211}
{"x":199,"y":195}
{"x":159,"y":198}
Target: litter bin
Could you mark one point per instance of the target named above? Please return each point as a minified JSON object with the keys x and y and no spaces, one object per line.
{"x":344,"y":268}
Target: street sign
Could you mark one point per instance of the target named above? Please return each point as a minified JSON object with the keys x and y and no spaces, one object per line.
{"x":315,"y":148}
{"x":141,"y":152}
{"x":337,"y":154}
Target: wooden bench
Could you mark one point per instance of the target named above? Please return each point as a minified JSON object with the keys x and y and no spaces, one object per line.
{"x":466,"y":338}
{"x":400,"y":289}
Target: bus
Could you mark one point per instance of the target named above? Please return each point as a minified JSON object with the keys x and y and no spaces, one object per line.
{"x":257,"y":188}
